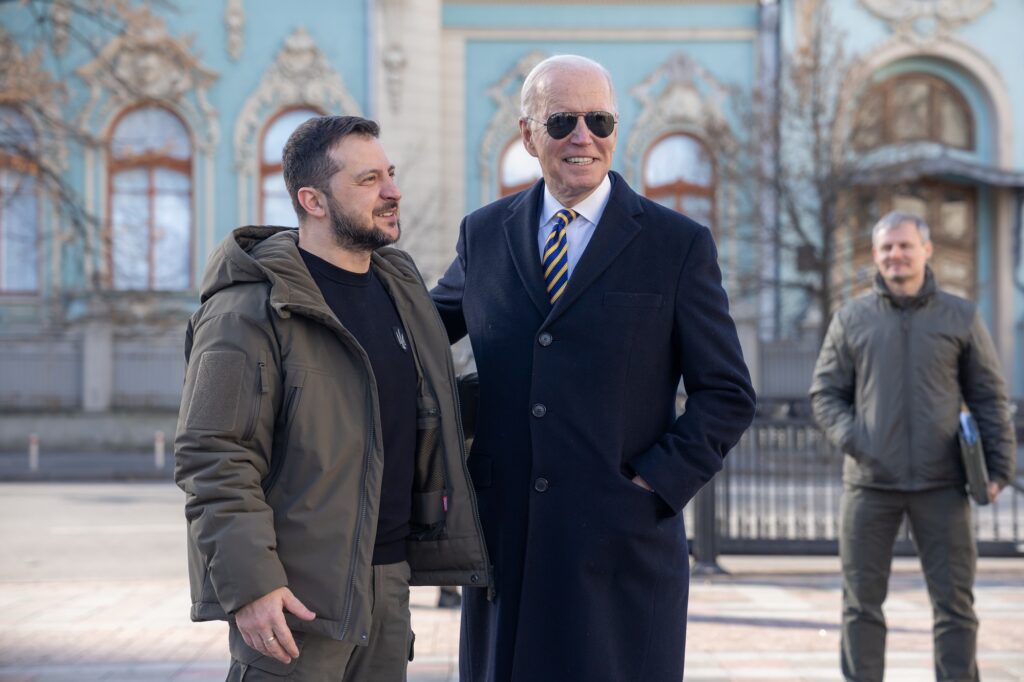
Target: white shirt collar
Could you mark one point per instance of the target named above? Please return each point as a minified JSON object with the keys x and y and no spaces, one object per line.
{"x":591,"y":208}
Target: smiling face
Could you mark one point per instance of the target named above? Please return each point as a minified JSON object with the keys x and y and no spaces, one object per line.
{"x":575,"y":165}
{"x":363,"y":202}
{"x":901,"y":254}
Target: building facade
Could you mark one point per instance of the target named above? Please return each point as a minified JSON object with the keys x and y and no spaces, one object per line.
{"x":166,"y":134}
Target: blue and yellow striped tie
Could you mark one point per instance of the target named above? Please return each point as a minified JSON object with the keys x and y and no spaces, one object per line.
{"x":556,"y":255}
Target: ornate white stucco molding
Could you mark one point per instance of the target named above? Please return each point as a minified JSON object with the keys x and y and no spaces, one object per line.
{"x":299,"y":76}
{"x":60,"y":18}
{"x":145,"y":63}
{"x":679,"y":96}
{"x":924,"y":21}
{"x":26,"y":85}
{"x":234,"y":27}
{"x":504,"y":123}
{"x":393,"y":56}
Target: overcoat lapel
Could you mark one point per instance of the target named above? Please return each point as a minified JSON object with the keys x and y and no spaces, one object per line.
{"x":521,"y":227}
{"x":618,"y":227}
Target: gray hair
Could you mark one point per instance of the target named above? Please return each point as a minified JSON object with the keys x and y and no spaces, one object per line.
{"x":537,"y":76}
{"x":895,"y":219}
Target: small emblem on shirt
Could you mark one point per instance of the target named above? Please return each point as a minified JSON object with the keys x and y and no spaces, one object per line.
{"x":400,"y":337}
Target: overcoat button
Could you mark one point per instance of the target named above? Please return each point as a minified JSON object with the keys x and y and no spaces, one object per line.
{"x":540,"y":485}
{"x":474,"y":578}
{"x":545,"y":339}
{"x":539,"y":410}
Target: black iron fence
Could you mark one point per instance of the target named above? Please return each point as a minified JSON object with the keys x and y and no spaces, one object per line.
{"x":779,"y":494}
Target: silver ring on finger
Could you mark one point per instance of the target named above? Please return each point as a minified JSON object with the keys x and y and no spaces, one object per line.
{"x":268,"y":640}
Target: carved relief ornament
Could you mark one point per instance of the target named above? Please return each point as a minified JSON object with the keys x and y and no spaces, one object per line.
{"x":28,"y":87}
{"x":299,"y":76}
{"x":145,"y":63}
{"x":504,"y":124}
{"x":679,"y":95}
{"x":926,"y":20}
{"x":234,"y":26}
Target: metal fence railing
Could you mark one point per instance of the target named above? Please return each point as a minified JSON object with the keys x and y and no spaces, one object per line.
{"x":779,"y":494}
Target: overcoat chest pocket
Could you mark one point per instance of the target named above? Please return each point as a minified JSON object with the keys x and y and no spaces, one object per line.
{"x":629,"y":299}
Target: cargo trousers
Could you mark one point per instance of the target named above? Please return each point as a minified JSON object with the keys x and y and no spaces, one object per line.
{"x":321,"y":659}
{"x":940,"y":525}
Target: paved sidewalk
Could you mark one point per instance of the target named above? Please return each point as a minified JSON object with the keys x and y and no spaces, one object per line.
{"x":92,"y":587}
{"x":772,"y":619}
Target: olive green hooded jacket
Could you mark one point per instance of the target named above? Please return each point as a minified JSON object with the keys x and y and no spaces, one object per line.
{"x":889,"y":382}
{"x":278,"y":447}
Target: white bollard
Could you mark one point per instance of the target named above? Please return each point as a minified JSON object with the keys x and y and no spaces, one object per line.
{"x":33,"y":452}
{"x":158,"y":450}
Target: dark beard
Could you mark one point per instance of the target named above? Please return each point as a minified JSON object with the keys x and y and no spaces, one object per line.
{"x":352,"y":236}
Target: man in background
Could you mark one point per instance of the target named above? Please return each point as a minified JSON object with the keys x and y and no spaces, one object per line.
{"x":887,"y":389}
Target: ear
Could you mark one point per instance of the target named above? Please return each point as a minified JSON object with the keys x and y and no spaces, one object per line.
{"x":928,"y":249}
{"x":312,"y":201}
{"x":527,"y":134}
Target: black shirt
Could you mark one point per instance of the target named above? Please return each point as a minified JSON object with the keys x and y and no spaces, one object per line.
{"x":363,"y":306}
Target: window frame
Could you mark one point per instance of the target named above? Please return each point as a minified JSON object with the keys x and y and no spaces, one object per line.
{"x":680,"y":188}
{"x":508,"y":190}
{"x":149,"y":161}
{"x":937,"y":86}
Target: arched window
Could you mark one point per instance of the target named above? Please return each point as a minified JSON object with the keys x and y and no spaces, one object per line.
{"x":517,"y":169}
{"x":679,"y":174}
{"x":19,"y":204}
{"x":913,"y":107}
{"x":275,"y":204}
{"x":150,"y":201}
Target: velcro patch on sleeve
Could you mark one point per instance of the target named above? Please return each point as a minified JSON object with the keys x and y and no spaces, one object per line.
{"x":216,"y":391}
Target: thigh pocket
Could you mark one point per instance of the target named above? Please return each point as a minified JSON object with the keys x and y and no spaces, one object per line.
{"x":251,"y":658}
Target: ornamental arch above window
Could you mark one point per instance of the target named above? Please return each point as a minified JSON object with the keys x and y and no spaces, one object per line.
{"x":275,"y":203}
{"x":913,"y":107}
{"x":678,"y":172}
{"x":517,"y":168}
{"x":150,"y":191}
{"x":19,"y":204}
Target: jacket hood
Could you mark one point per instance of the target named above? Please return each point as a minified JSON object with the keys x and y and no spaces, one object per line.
{"x":928,"y":290}
{"x":263,"y":253}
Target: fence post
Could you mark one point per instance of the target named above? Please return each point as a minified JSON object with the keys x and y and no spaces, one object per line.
{"x":158,"y":450}
{"x":33,"y":452}
{"x":705,"y":545}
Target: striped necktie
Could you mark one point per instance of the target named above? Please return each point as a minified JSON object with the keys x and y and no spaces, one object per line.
{"x":556,"y":255}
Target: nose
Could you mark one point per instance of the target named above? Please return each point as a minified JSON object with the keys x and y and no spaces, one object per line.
{"x":390,"y":190}
{"x":581,"y":133}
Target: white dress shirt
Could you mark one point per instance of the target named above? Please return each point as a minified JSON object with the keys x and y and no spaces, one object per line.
{"x":579,"y":232}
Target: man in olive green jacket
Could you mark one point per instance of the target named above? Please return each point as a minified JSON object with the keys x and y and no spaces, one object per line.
{"x":291,"y":442}
{"x":887,"y":390}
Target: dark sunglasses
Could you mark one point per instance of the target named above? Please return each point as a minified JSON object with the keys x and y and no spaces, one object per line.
{"x":562,"y":123}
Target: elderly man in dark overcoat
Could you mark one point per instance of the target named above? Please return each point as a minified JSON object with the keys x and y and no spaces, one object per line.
{"x":585,"y":303}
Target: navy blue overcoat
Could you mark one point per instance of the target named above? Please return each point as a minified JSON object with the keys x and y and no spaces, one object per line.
{"x":591,"y":570}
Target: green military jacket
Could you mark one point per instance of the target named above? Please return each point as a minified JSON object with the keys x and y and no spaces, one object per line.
{"x":278,"y":448}
{"x":888,"y":385}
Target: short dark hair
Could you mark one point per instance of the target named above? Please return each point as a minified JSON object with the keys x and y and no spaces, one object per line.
{"x":305,"y":160}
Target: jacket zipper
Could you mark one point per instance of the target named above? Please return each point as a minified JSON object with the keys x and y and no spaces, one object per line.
{"x":908,"y":387}
{"x":254,"y":412}
{"x":488,"y":573}
{"x":362,"y":517}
